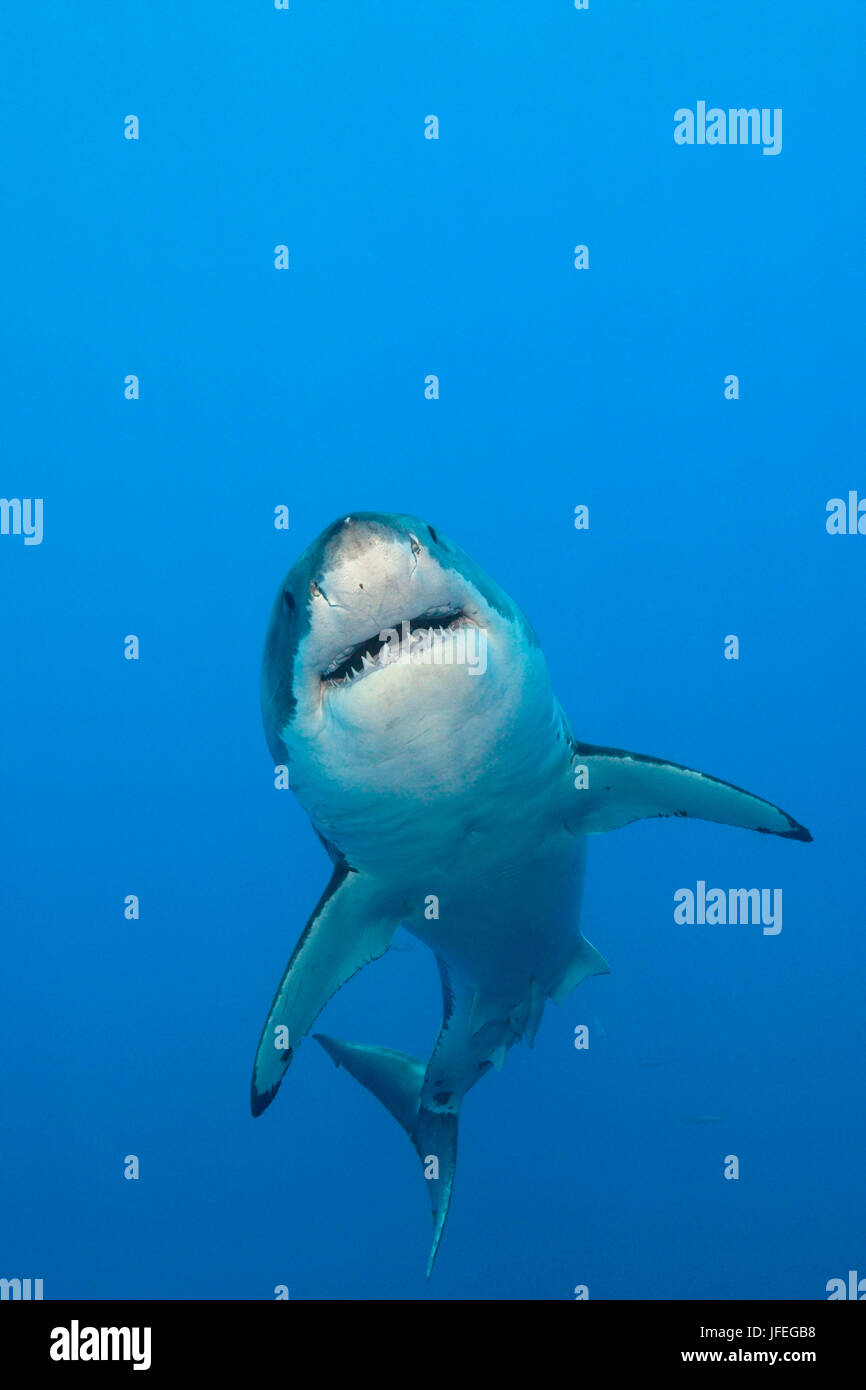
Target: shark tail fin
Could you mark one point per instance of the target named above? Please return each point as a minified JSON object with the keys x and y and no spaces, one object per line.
{"x":397,"y":1081}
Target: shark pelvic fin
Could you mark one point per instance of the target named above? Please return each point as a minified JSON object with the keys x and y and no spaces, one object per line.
{"x":348,"y":928}
{"x":537,"y":1001}
{"x":585,"y":960}
{"x":397,"y":1081}
{"x":484,"y":1009}
{"x":622,"y":787}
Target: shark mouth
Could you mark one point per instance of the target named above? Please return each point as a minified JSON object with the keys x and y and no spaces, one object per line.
{"x":376,"y":651}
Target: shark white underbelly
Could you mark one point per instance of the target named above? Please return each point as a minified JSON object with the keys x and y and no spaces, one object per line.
{"x":410,"y":699}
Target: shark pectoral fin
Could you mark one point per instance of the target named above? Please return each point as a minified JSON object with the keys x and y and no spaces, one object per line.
{"x":621,"y":787}
{"x":398,"y":1081}
{"x":585,"y":960}
{"x":347,"y":929}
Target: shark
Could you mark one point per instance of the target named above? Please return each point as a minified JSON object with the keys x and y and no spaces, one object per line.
{"x":453,"y":800}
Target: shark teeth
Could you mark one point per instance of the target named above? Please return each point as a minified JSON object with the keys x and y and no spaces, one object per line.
{"x":355,"y":662}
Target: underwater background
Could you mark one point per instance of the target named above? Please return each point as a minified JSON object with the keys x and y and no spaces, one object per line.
{"x":305,"y":388}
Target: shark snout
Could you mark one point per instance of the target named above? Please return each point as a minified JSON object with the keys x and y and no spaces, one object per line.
{"x":375,"y":576}
{"x":362,"y":534}
{"x":363,"y":562}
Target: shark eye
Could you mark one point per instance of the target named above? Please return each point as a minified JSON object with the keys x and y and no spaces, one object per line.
{"x":433,"y":536}
{"x":288,"y":601}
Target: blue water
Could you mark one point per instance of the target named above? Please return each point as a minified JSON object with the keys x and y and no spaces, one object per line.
{"x":305,"y":388}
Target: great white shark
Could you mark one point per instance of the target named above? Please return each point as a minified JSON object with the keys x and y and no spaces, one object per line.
{"x":453,"y":799}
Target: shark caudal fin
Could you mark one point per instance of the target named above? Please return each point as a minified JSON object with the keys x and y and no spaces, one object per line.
{"x":398,"y":1081}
